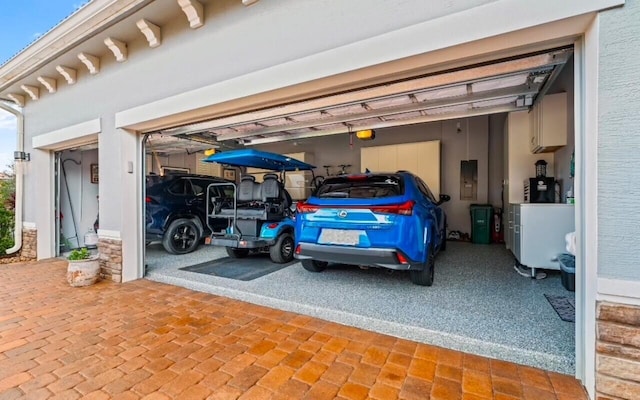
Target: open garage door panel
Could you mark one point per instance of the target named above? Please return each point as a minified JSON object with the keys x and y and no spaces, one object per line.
{"x":502,"y":86}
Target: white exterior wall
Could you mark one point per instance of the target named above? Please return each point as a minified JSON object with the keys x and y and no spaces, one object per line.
{"x":234,"y":41}
{"x":619,"y":144}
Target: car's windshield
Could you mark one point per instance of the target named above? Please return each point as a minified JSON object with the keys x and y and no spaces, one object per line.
{"x":361,"y":187}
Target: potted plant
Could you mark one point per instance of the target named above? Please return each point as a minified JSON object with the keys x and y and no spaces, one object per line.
{"x":83,"y":269}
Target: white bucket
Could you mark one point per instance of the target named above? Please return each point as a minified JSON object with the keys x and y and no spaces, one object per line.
{"x":91,"y":239}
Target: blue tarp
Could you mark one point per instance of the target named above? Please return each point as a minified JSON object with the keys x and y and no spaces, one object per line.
{"x":258,"y":159}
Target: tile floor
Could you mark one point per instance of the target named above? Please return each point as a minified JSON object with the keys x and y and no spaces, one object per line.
{"x":150,"y":340}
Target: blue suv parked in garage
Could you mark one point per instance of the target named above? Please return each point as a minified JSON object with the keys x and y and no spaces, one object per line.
{"x":175,"y":211}
{"x":376,"y":219}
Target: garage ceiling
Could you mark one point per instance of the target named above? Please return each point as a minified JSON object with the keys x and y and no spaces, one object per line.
{"x":504,"y":86}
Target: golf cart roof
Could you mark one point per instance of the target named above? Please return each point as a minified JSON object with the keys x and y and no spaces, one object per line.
{"x":259,"y":159}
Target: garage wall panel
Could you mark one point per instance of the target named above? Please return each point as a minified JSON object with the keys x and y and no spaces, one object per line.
{"x":618,"y":143}
{"x":335,"y":150}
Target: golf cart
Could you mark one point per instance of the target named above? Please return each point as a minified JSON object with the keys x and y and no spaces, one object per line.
{"x":259,"y":215}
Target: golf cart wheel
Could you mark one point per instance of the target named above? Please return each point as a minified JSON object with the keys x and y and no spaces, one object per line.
{"x":314,"y":265}
{"x":237,"y":253}
{"x":424,"y":277}
{"x":181,"y":237}
{"x":282,"y":251}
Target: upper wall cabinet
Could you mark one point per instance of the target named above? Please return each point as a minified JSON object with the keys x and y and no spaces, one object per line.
{"x":549,"y":124}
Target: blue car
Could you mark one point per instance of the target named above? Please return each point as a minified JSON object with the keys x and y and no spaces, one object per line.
{"x":378,"y":220}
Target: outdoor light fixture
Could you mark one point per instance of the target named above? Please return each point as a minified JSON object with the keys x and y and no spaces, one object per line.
{"x":209,"y":152}
{"x":21,"y":156}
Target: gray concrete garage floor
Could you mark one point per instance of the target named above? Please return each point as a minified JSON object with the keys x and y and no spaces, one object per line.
{"x":477,"y":304}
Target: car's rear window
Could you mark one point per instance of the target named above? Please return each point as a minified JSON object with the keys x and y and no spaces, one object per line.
{"x":361,"y":187}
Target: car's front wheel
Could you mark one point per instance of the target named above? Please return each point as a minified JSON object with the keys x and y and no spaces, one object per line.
{"x":282,"y":250}
{"x":314,"y":265}
{"x":425,"y":276}
{"x":181,"y":237}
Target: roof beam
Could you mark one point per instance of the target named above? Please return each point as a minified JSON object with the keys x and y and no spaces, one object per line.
{"x":118,"y":48}
{"x":151,"y":31}
{"x":69,"y":74}
{"x":382,"y":112}
{"x":194,"y":11}
{"x":17,"y":98}
{"x":51,"y":84}
{"x":91,"y":62}
{"x":32,"y":91}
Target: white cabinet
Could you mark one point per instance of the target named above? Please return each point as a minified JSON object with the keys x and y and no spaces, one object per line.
{"x":538,"y":233}
{"x":549,"y":124}
{"x":421,"y":158}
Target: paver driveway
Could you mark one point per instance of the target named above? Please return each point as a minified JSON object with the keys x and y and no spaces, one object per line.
{"x":149,"y":340}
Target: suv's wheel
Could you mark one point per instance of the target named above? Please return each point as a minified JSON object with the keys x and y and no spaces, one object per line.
{"x":282,"y":251}
{"x":424,"y":277}
{"x":237,"y":253}
{"x":314,"y":265}
{"x":181,"y":237}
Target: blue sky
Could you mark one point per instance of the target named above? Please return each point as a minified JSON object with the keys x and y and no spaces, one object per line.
{"x":22,"y":22}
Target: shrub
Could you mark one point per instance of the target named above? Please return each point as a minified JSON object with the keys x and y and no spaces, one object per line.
{"x":79,"y":254}
{"x":7,"y":200}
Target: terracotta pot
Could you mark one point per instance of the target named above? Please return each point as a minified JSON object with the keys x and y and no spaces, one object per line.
{"x":83,"y":272}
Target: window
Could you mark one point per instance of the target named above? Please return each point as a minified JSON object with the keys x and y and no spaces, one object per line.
{"x":361,"y":187}
{"x":425,"y":190}
{"x":181,"y":187}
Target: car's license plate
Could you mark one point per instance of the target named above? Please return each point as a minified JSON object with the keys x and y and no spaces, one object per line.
{"x":340,"y":236}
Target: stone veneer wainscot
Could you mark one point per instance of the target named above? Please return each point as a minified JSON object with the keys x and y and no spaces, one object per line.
{"x":618,"y":352}
{"x":28,"y":250}
{"x":110,"y":259}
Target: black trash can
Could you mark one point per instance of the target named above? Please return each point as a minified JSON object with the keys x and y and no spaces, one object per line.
{"x":568,"y":271}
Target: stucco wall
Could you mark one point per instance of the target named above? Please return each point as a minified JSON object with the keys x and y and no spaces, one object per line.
{"x":235,"y":40}
{"x":619,"y":143}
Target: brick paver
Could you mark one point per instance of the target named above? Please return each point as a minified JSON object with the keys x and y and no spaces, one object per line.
{"x":145,"y":340}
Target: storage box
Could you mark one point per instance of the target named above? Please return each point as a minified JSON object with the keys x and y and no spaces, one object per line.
{"x":568,"y":271}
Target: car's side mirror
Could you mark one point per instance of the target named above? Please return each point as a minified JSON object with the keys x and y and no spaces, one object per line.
{"x":444,"y":198}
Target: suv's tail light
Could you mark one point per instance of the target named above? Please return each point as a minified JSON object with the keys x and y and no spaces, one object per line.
{"x":148,"y":200}
{"x":305,"y":208}
{"x":400,"y":209}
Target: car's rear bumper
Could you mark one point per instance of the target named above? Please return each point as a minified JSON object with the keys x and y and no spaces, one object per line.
{"x":374,"y":257}
{"x":244,"y":243}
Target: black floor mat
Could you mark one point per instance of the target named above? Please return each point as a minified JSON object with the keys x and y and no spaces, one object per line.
{"x":564,"y":306}
{"x":242,"y":269}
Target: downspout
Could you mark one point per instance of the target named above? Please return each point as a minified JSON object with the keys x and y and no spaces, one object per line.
{"x":17,"y":231}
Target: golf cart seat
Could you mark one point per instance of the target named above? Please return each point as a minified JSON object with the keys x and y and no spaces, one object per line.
{"x":274,"y":195}
{"x":260,"y":201}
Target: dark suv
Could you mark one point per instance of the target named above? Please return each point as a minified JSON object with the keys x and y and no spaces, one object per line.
{"x":175,"y":211}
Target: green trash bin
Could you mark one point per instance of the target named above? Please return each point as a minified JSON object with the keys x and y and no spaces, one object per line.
{"x":481,"y":218}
